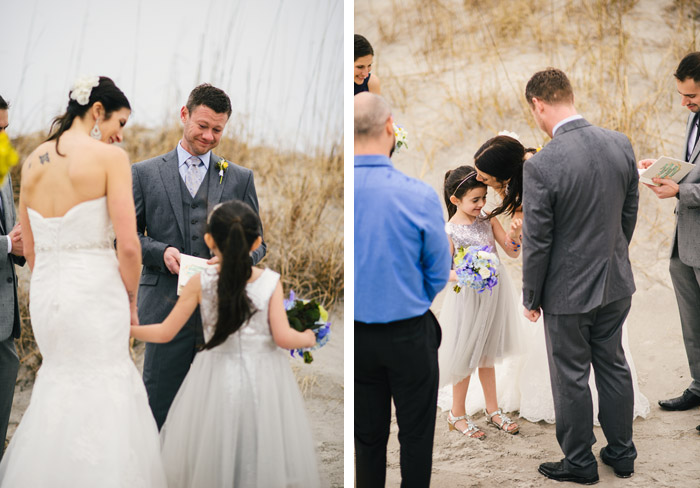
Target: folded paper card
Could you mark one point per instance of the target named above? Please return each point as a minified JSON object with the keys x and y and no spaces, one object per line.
{"x":665,"y":167}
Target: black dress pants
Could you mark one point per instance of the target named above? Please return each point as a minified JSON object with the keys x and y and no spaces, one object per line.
{"x":396,"y":360}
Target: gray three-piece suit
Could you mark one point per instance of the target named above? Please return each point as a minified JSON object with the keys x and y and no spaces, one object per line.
{"x":167,"y":215}
{"x":580,"y":198}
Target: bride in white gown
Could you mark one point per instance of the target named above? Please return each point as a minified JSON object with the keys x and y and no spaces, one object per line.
{"x":88,"y":423}
{"x":522,"y":381}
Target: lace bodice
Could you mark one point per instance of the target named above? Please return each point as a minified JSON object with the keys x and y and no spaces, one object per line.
{"x":479,"y":233}
{"x":85,"y":226}
{"x":255,"y":335}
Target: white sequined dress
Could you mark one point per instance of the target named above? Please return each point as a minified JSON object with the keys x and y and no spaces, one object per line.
{"x":478,"y":328}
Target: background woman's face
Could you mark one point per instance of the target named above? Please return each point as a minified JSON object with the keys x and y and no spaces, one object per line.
{"x":363,"y":66}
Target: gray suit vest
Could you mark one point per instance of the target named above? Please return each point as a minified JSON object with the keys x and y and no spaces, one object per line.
{"x":194,"y":211}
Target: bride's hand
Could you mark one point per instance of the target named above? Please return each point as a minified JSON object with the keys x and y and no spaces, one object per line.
{"x":531,"y":315}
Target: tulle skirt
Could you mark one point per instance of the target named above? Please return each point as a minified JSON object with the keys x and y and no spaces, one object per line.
{"x":523,"y":383}
{"x":239,"y":420}
{"x":479,"y":329}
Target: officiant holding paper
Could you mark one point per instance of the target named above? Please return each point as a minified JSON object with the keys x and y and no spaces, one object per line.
{"x":685,"y":258}
{"x":174,"y":193}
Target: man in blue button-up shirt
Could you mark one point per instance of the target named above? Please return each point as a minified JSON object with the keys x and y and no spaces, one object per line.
{"x":402,"y":260}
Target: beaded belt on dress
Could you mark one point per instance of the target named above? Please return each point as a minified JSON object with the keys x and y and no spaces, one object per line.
{"x":77,"y":246}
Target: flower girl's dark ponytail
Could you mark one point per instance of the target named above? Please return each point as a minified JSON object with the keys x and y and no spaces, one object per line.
{"x":234,"y":227}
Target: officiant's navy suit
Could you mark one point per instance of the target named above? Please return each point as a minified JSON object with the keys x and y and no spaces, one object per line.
{"x":168,"y":216}
{"x":9,"y":309}
{"x":580,"y":199}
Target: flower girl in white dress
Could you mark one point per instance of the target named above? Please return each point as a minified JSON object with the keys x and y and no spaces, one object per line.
{"x":478,"y":326}
{"x":238,"y":418}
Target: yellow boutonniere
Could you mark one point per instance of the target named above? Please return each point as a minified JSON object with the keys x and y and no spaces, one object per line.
{"x":222,"y":166}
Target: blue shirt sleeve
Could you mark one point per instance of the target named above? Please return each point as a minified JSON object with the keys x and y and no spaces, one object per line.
{"x":435,"y":255}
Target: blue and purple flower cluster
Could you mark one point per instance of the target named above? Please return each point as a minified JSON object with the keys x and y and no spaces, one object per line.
{"x":477,"y":268}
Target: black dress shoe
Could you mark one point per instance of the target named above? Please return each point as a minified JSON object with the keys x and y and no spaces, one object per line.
{"x":557,"y":472}
{"x":620,"y":473}
{"x":697,"y":428}
{"x":687,"y":400}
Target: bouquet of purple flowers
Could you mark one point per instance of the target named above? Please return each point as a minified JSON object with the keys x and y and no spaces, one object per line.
{"x":476,"y":267}
{"x":307,"y":314}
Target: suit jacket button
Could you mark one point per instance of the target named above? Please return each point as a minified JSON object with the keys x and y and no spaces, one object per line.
{"x":194,"y":205}
{"x":9,"y":280}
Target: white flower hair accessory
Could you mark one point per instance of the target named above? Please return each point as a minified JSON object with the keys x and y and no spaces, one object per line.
{"x":83,"y":87}
{"x":509,"y":134}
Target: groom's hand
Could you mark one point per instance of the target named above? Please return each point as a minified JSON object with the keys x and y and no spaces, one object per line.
{"x":531,"y":315}
{"x":171,"y":258}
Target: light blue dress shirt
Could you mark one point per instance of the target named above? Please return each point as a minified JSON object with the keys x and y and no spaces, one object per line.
{"x":402,"y":254}
{"x":183,"y":156}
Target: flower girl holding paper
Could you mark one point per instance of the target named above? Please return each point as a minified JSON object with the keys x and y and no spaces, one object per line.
{"x":238,"y":418}
{"x":479,"y":314}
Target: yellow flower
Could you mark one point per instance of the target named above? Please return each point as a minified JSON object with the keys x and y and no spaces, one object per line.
{"x":222,"y":166}
{"x":324,"y":313}
{"x":8,"y":156}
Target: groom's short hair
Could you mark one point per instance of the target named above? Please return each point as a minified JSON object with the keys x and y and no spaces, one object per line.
{"x":210,"y":96}
{"x":689,"y":67}
{"x":371,"y":113}
{"x":550,"y":85}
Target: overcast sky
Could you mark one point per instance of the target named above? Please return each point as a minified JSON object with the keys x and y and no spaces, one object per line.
{"x":281,"y":62}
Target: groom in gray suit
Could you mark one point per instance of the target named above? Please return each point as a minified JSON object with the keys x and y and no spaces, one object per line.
{"x":685,"y":256}
{"x":11,"y":253}
{"x":580,"y":197}
{"x":173,"y":194}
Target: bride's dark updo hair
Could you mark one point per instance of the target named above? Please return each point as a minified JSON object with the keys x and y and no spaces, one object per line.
{"x":502,"y":157}
{"x":234,"y":227}
{"x":106,"y":92}
{"x":458,"y":182}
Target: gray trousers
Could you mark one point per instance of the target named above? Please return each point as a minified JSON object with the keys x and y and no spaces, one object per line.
{"x":686,"y":284}
{"x":574,"y":342}
{"x":9,"y":365}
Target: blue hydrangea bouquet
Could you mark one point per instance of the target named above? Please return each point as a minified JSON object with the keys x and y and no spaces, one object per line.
{"x":477,"y":268}
{"x":307,"y":314}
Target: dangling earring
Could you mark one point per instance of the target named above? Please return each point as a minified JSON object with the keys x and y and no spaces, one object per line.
{"x":96,"y":133}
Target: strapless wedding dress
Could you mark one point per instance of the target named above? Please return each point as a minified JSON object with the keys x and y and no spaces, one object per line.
{"x":88,"y":423}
